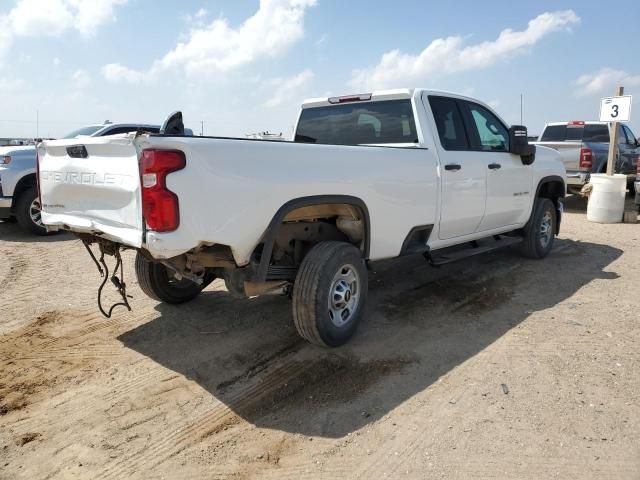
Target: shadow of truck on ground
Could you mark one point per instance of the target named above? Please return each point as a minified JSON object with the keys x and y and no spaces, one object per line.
{"x":421,"y":323}
{"x":10,"y":231}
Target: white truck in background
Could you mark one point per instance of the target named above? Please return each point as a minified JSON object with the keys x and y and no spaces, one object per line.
{"x":367,"y":177}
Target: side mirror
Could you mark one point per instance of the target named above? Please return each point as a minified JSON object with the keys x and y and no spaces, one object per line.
{"x":519,"y":144}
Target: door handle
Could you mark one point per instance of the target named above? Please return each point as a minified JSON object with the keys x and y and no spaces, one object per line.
{"x":452,"y":166}
{"x":495,"y":166}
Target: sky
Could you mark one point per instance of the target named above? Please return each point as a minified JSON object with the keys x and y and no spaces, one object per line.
{"x":244,"y":66}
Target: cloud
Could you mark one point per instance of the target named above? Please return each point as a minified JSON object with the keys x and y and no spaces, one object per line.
{"x":39,"y":18}
{"x":81,"y":78}
{"x":115,"y":72}
{"x":603,"y":79}
{"x":287,"y":88}
{"x":197,"y":18}
{"x":54,"y":17}
{"x":219,"y":47}
{"x":450,"y":55}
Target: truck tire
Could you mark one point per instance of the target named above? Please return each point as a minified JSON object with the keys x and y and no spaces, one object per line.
{"x":539,"y":232}
{"x":28,"y":212}
{"x":157,"y":283}
{"x":330,"y":293}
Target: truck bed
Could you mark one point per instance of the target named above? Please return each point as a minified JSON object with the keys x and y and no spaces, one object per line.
{"x":230,"y":189}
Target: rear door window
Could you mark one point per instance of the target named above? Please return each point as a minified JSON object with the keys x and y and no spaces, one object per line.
{"x":383,"y":122}
{"x":451,"y":130}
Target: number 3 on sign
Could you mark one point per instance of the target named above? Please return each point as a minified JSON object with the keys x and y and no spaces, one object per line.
{"x":615,"y":109}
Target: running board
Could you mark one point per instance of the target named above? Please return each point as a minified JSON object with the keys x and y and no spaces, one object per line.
{"x":446,"y":255}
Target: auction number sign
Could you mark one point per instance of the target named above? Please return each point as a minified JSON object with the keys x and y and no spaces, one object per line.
{"x":615,"y":109}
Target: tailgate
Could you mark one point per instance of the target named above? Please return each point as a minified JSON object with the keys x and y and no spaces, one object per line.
{"x":569,"y":153}
{"x":92,"y":185}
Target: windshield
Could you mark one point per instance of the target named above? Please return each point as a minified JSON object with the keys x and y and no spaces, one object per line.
{"x":84,"y":131}
{"x":388,"y":121}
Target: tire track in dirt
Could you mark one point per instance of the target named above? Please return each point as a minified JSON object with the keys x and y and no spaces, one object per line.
{"x":138,"y":382}
{"x":12,"y":269}
{"x":181,"y":437}
{"x":74,"y":344}
{"x":283,"y":380}
{"x":283,"y":383}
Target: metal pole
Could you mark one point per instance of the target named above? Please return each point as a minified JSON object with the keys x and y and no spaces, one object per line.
{"x":37,"y":123}
{"x":521,"y":109}
{"x":613,"y":140}
{"x":201,"y":128}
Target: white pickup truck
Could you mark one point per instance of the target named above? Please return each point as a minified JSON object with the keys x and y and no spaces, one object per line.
{"x":367,"y":177}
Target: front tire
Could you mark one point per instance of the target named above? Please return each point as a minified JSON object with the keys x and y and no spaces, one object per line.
{"x":540,"y":231}
{"x":29,"y":211}
{"x":160,"y":284}
{"x":330,"y":294}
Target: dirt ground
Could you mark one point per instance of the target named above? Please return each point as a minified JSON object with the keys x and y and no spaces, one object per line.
{"x":498,"y":367}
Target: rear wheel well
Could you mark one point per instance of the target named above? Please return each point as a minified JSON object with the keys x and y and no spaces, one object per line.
{"x":23,"y":184}
{"x":301,"y":224}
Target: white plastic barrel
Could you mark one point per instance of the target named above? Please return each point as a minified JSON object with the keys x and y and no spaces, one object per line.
{"x":606,"y":202}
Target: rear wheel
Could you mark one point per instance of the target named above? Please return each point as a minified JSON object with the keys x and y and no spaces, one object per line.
{"x":330,"y":293}
{"x":160,"y":284}
{"x":540,"y":232}
{"x":29,"y":211}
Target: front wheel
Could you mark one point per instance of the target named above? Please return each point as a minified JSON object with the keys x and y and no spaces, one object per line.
{"x":540,"y":232}
{"x":29,"y":212}
{"x":330,"y":293}
{"x":160,"y":284}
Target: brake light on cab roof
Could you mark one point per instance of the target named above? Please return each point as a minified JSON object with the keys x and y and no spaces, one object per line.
{"x":351,"y":98}
{"x":576,"y":123}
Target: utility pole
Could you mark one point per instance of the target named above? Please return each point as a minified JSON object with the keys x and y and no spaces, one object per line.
{"x":613,"y":139}
{"x":202,"y":128}
{"x":37,"y":123}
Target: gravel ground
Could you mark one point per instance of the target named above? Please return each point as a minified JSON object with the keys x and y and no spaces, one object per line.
{"x":496,"y":367}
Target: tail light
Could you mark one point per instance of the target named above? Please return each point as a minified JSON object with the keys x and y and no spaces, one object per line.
{"x":638,"y":166}
{"x":586,"y":158}
{"x":159,"y":204}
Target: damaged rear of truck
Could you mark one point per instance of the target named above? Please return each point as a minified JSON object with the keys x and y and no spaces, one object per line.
{"x":129,"y":193}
